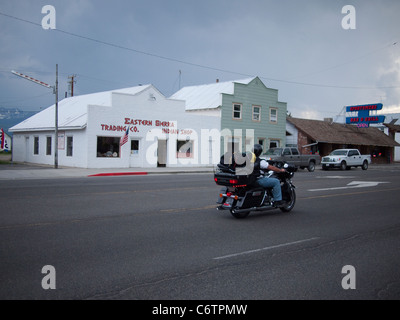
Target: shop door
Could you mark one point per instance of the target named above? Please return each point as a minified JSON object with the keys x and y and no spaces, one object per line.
{"x":136,"y":157}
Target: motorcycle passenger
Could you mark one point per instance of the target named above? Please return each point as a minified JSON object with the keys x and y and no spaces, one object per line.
{"x":262,"y":166}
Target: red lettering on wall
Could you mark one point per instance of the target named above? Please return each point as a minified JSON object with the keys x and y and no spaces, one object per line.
{"x":164,"y":124}
{"x":137,"y":122}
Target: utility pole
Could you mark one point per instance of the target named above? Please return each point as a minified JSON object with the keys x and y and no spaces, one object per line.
{"x":71,"y":84}
{"x":56,"y":122}
{"x":55,"y":91}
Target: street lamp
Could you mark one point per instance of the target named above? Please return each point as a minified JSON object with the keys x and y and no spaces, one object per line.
{"x":55,"y":91}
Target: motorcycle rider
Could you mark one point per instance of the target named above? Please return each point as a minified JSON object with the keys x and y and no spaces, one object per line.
{"x":261,"y":166}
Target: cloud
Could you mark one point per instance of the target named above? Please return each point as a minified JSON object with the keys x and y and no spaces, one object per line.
{"x":388,"y":76}
{"x":282,"y":42}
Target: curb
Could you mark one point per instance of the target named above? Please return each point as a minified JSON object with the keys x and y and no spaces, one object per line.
{"x":118,"y":174}
{"x":111,"y":174}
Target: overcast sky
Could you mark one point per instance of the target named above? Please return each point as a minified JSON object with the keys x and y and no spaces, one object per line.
{"x":296,"y":46}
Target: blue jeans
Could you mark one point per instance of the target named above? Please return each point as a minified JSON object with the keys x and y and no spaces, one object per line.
{"x":273,"y":183}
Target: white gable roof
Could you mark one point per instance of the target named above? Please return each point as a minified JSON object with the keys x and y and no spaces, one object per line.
{"x":72,"y":112}
{"x":208,"y":96}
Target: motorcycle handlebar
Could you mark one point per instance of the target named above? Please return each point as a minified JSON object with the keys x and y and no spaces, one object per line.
{"x":282,"y":165}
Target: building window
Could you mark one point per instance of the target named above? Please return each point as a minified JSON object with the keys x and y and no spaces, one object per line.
{"x":184,"y":149}
{"x":108,"y":147}
{"x":273,"y":115}
{"x":134,"y":146}
{"x":274,"y":144}
{"x":36,"y":145}
{"x":70,"y":143}
{"x":257,"y":113}
{"x":48,"y":146}
{"x":237,"y":111}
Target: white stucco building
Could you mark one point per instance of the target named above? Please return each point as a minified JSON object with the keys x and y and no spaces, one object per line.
{"x":161,"y":132}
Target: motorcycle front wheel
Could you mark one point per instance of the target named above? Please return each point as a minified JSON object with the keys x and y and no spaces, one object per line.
{"x":289,"y":205}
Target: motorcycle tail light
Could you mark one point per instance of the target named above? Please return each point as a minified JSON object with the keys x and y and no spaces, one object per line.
{"x":229,"y":194}
{"x":233,"y":181}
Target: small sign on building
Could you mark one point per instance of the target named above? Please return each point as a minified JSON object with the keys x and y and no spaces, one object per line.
{"x":5,"y":141}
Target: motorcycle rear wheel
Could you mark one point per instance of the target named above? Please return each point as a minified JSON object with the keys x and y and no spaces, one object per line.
{"x":290,"y":204}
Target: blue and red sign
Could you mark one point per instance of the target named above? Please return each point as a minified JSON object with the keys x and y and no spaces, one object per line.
{"x":363,"y":118}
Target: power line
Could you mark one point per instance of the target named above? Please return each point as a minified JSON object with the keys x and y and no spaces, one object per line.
{"x":196,"y":64}
{"x":123,"y":47}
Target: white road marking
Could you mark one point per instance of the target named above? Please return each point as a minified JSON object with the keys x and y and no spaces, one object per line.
{"x":334,"y":177}
{"x":352,"y":185}
{"x":264,"y":249}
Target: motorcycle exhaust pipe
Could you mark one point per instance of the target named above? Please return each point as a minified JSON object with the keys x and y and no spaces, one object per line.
{"x":242,"y":210}
{"x":263,"y":208}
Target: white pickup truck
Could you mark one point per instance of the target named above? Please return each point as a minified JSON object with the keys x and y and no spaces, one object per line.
{"x":345,"y":159}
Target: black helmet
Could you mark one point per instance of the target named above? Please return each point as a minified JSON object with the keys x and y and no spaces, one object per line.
{"x":257,"y":149}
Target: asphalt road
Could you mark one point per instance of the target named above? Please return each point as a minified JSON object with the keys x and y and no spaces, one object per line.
{"x":159,"y":237}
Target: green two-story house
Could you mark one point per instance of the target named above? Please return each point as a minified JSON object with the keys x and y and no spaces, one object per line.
{"x":249,"y":112}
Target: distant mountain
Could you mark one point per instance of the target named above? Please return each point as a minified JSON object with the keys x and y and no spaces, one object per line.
{"x":11,"y":117}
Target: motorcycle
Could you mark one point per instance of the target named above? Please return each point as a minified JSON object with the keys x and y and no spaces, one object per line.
{"x":241,"y":195}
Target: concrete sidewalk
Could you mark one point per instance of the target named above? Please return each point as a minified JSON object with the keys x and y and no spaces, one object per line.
{"x":18,"y":171}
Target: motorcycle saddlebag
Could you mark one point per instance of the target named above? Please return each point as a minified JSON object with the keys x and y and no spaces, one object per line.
{"x":253,"y":198}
